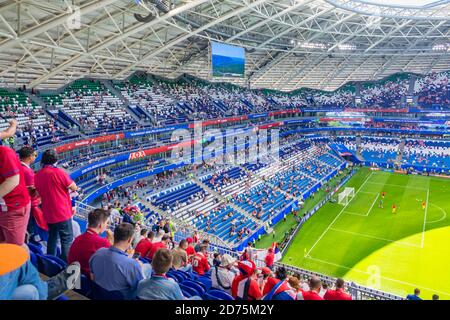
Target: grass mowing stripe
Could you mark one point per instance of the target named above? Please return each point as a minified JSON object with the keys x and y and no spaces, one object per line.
{"x":396,"y":185}
{"x":377,"y":238}
{"x":386,"y":278}
{"x":335,"y":219}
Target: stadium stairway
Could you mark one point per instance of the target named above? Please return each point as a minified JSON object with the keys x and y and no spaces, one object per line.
{"x":231,"y":204}
{"x":126,"y":103}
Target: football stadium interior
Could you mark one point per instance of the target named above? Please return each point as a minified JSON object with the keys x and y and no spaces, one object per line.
{"x":224,"y":149}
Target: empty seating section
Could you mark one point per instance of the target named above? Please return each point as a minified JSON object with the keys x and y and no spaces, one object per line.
{"x":94,"y":108}
{"x":178,"y":196}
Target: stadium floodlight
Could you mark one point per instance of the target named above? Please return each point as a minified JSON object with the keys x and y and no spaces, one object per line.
{"x":346,"y":47}
{"x":441,"y":47}
{"x":346,"y":196}
{"x":312,"y":45}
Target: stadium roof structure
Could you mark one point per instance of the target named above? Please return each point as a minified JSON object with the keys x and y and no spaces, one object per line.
{"x":289,"y":43}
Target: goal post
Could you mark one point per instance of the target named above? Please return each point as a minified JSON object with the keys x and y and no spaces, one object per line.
{"x":345,"y":196}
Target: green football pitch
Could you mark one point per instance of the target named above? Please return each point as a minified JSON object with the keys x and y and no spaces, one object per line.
{"x":368,"y":244}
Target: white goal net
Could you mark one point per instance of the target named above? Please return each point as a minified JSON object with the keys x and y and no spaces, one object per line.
{"x":345,"y":196}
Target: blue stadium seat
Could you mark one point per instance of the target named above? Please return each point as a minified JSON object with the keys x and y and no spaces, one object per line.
{"x":207,"y":283}
{"x":208,"y":296}
{"x":47,"y":266}
{"x":37,"y":249}
{"x":197,"y":286}
{"x":220,"y":294}
{"x":98,"y":293}
{"x":86,"y":286}
{"x":189,"y":291}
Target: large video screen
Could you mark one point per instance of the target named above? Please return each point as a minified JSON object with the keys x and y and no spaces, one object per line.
{"x":227,"y":60}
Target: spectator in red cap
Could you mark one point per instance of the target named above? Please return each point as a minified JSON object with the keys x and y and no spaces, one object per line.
{"x":14,"y":198}
{"x":245,"y":286}
{"x":190,"y":249}
{"x":338,"y":293}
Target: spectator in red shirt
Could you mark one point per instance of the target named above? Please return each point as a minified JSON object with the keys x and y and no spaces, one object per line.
{"x":190,"y":249}
{"x":245,"y":286}
{"x":27,"y":157}
{"x":200,"y":262}
{"x":14,"y":198}
{"x":86,"y":244}
{"x":145,"y":245}
{"x":339,"y":292}
{"x":158,"y":245}
{"x":53,"y":186}
{"x":313,"y":294}
{"x":280,"y":275}
{"x":270,"y":257}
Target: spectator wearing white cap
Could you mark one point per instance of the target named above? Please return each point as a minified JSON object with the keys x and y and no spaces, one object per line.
{"x":222,"y":276}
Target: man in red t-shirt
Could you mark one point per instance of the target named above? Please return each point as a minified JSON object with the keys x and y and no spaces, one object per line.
{"x":245,"y":286}
{"x":27,"y":157}
{"x":315,"y":285}
{"x":200,"y":262}
{"x":190,"y":249}
{"x":86,"y":244}
{"x":14,"y":198}
{"x":339,"y":293}
{"x":270,"y":257}
{"x":145,"y":245}
{"x":158,"y":245}
{"x":53,"y":186}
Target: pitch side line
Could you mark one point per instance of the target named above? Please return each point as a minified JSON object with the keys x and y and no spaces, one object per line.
{"x":386,"y":278}
{"x":377,"y":238}
{"x":425,"y":218}
{"x":337,"y":217}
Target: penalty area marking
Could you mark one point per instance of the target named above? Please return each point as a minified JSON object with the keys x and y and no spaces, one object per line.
{"x":337,"y":217}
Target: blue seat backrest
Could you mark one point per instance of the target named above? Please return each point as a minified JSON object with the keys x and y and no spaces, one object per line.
{"x":98,"y":293}
{"x":208,"y":296}
{"x":86,"y":286}
{"x":47,"y":266}
{"x":197,"y":286}
{"x":220,"y":294}
{"x":207,"y":283}
{"x":189,"y":290}
{"x":35,"y":248}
